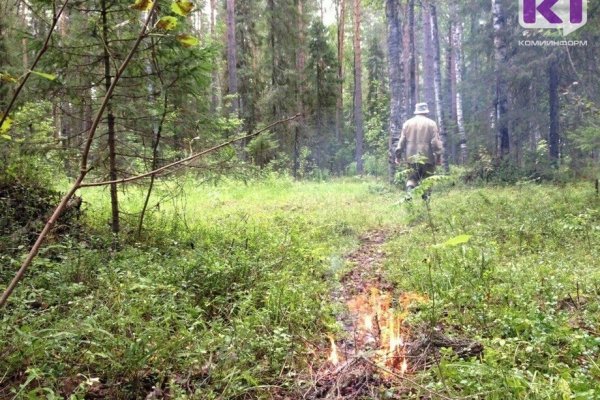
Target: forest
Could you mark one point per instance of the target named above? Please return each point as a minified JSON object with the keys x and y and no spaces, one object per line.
{"x":205,"y":199}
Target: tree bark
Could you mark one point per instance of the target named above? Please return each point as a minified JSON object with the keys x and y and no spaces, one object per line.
{"x":232,"y":58}
{"x":214,"y":99}
{"x":501,"y":96}
{"x":457,"y":45}
{"x":437,"y":71}
{"x":553,"y":100}
{"x":412,"y":59}
{"x":111,"y":135}
{"x":358,"y":112}
{"x":428,"y":60}
{"x":396,"y":85}
{"x":339,"y":106}
{"x":300,"y":65}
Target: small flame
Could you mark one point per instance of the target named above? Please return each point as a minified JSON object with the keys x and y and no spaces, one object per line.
{"x":334,"y":357}
{"x":403,"y":366}
{"x":368,"y":322}
{"x":378,"y":320}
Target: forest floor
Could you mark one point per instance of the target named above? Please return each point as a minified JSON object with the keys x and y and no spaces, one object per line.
{"x":276,"y":289}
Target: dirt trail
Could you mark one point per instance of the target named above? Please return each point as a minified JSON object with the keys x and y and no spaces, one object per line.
{"x":353,"y":374}
{"x":377,"y":352}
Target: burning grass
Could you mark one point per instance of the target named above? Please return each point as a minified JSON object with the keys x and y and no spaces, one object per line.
{"x":379,"y":350}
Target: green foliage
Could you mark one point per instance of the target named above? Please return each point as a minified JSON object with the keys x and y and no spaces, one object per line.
{"x":182,"y":7}
{"x":262,"y":149}
{"x":167,"y":23}
{"x":30,"y":153}
{"x":44,"y":75}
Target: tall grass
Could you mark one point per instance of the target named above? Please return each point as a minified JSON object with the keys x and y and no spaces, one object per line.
{"x":526,"y":284}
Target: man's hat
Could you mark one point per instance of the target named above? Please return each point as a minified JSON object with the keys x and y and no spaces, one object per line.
{"x":421,"y":108}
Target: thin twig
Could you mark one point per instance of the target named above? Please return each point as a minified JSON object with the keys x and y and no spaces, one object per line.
{"x":405,"y":378}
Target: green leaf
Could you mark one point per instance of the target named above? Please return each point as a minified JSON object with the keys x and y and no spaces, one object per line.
{"x":44,"y":75}
{"x":142,"y":5}
{"x":182,"y":7}
{"x":187,"y":40}
{"x":455,"y":241}
{"x":5,"y":127}
{"x":6,"y":137}
{"x":167,"y":23}
{"x":7,"y":78}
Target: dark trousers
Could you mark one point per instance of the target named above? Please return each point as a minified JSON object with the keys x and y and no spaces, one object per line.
{"x":418,"y":172}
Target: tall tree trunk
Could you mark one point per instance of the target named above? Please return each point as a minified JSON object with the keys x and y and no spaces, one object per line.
{"x":112,"y":155}
{"x":214,"y":99}
{"x":395,"y":72}
{"x":437,"y":71}
{"x":358,"y":112}
{"x":300,"y":65}
{"x":412,"y":59}
{"x":457,"y":45}
{"x":553,"y":100}
{"x":232,"y":57}
{"x":449,"y":97}
{"x":274,"y":80}
{"x":501,"y":97}
{"x":428,"y":60}
{"x":339,"y":105}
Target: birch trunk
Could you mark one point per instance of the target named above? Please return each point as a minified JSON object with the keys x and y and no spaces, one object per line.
{"x":216,"y":87}
{"x":449,"y":93}
{"x":300,"y":65}
{"x":437,"y":71}
{"x":412,"y":73}
{"x":457,"y":45}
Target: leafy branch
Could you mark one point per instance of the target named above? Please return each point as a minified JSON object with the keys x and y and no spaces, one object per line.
{"x":45,"y":46}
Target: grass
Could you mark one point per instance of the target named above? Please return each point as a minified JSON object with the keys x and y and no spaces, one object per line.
{"x":228,"y":289}
{"x":526,"y":284}
{"x":218,"y":299}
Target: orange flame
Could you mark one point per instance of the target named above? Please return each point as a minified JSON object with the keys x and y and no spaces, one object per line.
{"x":403,"y":367}
{"x":377,"y":318}
{"x":334,"y":357}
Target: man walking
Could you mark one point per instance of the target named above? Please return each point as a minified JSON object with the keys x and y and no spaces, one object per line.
{"x":420,"y":146}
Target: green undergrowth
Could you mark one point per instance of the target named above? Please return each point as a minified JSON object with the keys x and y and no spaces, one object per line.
{"x":516,"y":268}
{"x":220,"y":297}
